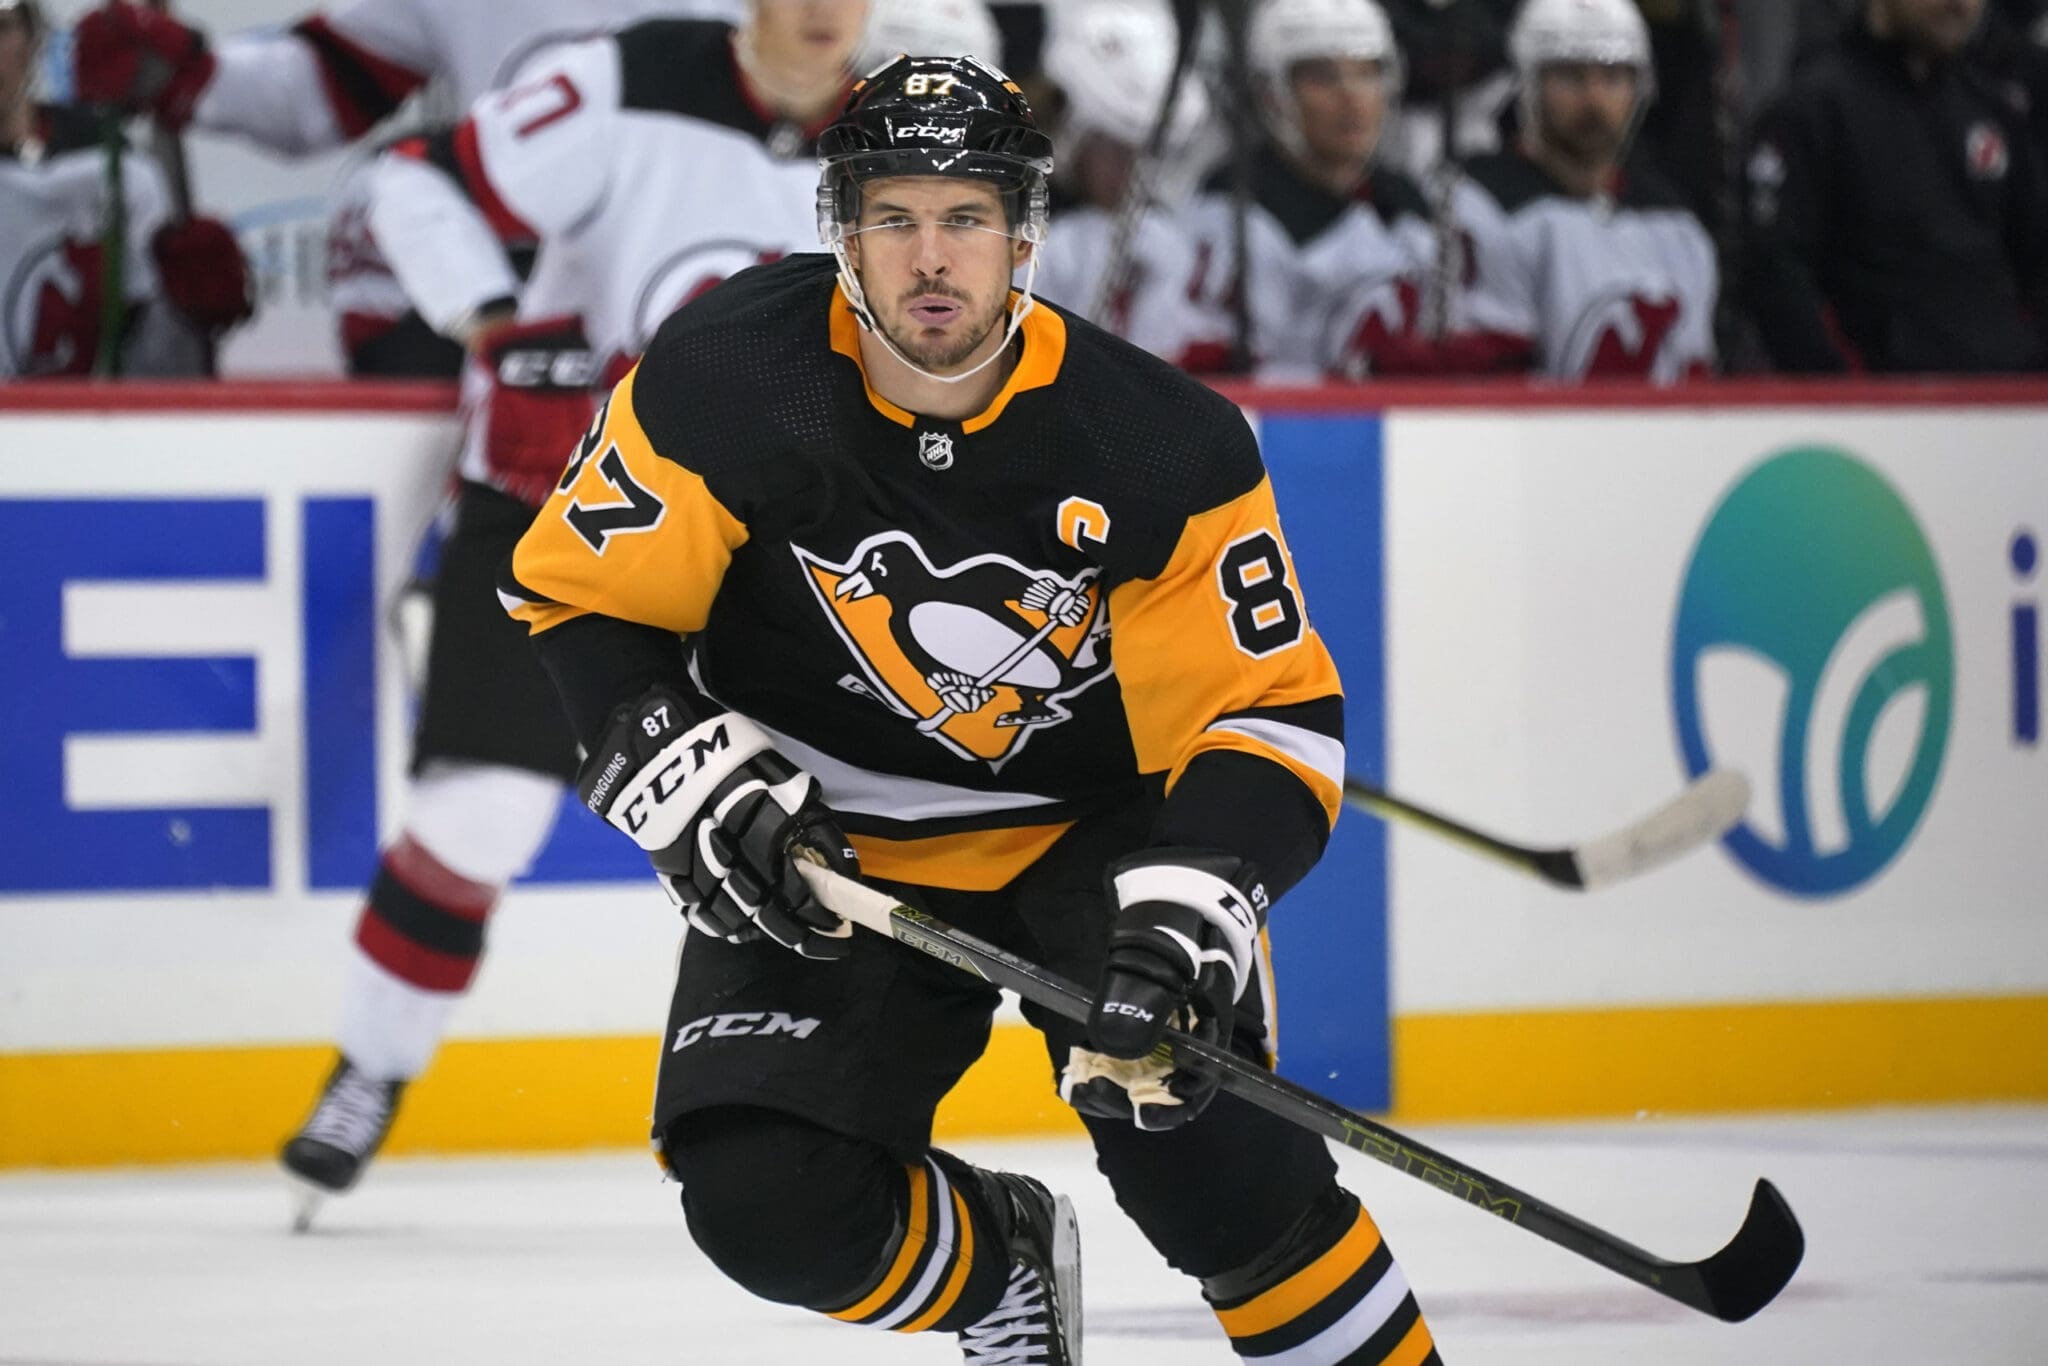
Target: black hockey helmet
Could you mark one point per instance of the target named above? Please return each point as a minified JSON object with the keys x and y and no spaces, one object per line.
{"x":935,"y":116}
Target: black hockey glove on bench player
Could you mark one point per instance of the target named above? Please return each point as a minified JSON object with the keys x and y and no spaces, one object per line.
{"x":720,"y":815}
{"x":1182,"y":953}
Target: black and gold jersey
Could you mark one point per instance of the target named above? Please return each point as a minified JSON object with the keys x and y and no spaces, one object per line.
{"x":973,"y":633}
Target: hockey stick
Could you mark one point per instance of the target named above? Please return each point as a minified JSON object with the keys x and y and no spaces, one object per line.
{"x":170,"y":153}
{"x":1235,"y":16}
{"x":1704,"y":812}
{"x":1123,"y":232}
{"x":1008,"y":662}
{"x":1732,"y":1284}
{"x":113,"y":247}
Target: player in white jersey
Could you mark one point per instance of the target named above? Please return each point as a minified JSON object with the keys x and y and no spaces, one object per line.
{"x":955,"y":28}
{"x":364,"y":58}
{"x":1339,"y":246}
{"x":1109,"y":63}
{"x":648,"y":165}
{"x":1581,"y":265}
{"x":53,"y":205}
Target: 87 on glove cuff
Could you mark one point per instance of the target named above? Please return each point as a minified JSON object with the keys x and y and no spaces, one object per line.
{"x":722,"y":817}
{"x":1182,"y":954}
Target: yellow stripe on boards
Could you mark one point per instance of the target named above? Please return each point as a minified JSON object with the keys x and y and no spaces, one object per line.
{"x":80,"y":1109}
{"x":1788,"y":1055}
{"x":480,"y":1096}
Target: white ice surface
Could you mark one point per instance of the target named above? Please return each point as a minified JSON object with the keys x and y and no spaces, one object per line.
{"x":1927,"y":1243}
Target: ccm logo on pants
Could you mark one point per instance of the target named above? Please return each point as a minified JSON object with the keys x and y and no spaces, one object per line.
{"x":745,"y":1022}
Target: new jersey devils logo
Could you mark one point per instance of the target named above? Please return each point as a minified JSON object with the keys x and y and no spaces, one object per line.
{"x":686,"y":274}
{"x":977,"y":655}
{"x":1368,"y":315}
{"x":1623,"y":333}
{"x":52,"y":309}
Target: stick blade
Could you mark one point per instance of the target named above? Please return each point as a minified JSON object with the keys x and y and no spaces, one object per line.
{"x":1702,"y":813}
{"x":1759,"y":1260}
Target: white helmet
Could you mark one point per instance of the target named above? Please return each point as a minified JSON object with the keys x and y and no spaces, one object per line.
{"x":1112,"y":60}
{"x":928,"y":28}
{"x":1284,"y":32}
{"x":1609,"y":32}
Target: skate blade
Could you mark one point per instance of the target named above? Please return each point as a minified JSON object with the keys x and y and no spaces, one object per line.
{"x":1066,"y":1263}
{"x":306,"y":1199}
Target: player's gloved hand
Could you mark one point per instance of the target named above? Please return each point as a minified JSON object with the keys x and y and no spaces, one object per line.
{"x":723,"y":818}
{"x":205,"y":275}
{"x":138,"y":58}
{"x":1182,"y":953}
{"x":544,"y":381}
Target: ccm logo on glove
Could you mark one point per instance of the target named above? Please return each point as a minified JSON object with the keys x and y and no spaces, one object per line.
{"x":655,"y":804}
{"x":723,"y":818}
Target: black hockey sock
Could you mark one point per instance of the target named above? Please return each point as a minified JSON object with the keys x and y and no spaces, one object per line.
{"x":949,"y":1262}
{"x":1331,"y":1282}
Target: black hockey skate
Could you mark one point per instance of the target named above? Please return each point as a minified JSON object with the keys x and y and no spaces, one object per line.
{"x":327,"y":1155}
{"x":1038,"y":1321}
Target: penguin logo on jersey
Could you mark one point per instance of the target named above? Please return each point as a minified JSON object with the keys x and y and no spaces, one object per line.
{"x":978,"y":655}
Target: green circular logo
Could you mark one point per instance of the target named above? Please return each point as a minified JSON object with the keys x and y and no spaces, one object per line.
{"x":1813,"y":650}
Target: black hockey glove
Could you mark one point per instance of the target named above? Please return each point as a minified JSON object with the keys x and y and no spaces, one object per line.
{"x":722,"y":816}
{"x":1182,"y":953}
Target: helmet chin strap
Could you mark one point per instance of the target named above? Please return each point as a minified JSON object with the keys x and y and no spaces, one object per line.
{"x":1020,"y":309}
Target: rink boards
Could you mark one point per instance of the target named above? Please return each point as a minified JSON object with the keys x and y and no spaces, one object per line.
{"x":1547,"y":618}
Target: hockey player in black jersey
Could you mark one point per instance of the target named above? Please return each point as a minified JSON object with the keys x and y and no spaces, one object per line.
{"x":719,"y":585}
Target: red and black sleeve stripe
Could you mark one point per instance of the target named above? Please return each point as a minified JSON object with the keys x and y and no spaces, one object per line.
{"x":454,"y":152}
{"x":362,"y":87}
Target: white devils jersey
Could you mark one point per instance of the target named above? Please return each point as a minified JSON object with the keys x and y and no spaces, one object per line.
{"x":639,"y":165}
{"x":1336,"y":282}
{"x":1151,"y":308}
{"x":366,"y":57}
{"x":1621,"y":287}
{"x":52,"y":208}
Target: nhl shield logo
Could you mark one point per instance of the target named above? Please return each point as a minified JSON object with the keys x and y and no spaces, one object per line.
{"x":977,"y":655}
{"x":1984,"y":151}
{"x":935,"y":449}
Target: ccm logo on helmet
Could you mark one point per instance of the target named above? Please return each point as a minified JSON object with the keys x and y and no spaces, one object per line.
{"x":760,"y":1024}
{"x":932,"y":131}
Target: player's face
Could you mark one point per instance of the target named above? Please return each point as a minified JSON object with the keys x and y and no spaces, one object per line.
{"x":1103,"y":168}
{"x":817,"y":36}
{"x":1342,"y":103}
{"x":1939,"y":28}
{"x":17,"y":57}
{"x":934,"y":257}
{"x":1586,"y":109}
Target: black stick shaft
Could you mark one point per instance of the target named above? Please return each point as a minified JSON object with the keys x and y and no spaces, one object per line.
{"x":1552,"y":865}
{"x":1733,"y":1284}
